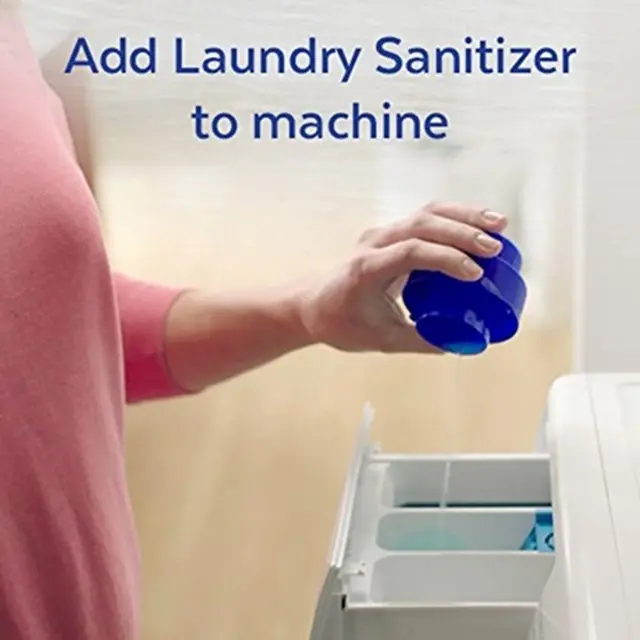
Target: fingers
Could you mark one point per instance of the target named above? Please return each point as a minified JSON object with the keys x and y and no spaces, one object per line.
{"x":443,"y":231}
{"x":440,"y":237}
{"x":385,"y":265}
{"x":474,"y":216}
{"x":453,"y":225}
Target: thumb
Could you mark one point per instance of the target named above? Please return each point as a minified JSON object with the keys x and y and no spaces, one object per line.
{"x":394,"y":290}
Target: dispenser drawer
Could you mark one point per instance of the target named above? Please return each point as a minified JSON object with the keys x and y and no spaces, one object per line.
{"x":435,"y":546}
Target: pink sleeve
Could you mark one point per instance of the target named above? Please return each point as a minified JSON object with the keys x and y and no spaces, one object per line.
{"x":143,"y":310}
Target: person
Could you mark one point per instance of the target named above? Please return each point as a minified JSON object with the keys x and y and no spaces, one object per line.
{"x":78,"y":342}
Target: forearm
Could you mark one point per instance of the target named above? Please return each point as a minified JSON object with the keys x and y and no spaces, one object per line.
{"x":214,"y":337}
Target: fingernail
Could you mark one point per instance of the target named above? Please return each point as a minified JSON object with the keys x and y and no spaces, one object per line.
{"x":472,"y":268}
{"x":488,"y":243}
{"x":493,"y":217}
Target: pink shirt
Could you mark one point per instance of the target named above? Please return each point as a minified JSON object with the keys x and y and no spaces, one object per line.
{"x":76,"y":343}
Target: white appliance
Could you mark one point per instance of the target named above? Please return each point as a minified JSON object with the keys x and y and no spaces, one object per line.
{"x":386,"y":582}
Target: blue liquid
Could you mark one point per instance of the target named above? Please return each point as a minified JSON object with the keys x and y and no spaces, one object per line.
{"x":462,"y":348}
{"x":540,"y":539}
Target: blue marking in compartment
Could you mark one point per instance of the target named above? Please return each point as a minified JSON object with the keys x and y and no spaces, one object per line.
{"x":541,"y":538}
{"x":531,"y":543}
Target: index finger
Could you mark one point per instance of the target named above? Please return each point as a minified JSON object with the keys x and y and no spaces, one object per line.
{"x":383,"y":266}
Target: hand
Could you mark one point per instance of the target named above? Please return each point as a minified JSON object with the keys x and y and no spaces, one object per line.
{"x":355,"y":309}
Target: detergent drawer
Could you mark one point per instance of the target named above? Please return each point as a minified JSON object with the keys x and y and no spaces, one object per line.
{"x":439,"y":547}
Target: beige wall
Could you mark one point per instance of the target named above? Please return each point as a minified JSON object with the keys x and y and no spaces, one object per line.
{"x":235,"y":490}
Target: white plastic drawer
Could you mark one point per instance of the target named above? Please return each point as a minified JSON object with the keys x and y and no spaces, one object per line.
{"x":406,"y":564}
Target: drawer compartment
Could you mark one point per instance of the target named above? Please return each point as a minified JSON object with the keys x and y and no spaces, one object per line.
{"x":468,"y":481}
{"x":455,"y":529}
{"x":447,"y":578}
{"x":476,"y":622}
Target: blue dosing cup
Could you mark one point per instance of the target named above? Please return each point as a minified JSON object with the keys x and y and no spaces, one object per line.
{"x":466,"y":317}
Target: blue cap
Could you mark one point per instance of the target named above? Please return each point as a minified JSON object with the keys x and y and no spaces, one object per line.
{"x":466,"y":317}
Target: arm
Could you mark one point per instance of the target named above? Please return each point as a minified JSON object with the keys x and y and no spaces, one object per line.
{"x":177,"y":342}
{"x":184,"y":343}
{"x":214,"y":337}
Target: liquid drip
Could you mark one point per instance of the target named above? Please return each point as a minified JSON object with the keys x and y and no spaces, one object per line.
{"x":452,"y":447}
{"x":444,"y":496}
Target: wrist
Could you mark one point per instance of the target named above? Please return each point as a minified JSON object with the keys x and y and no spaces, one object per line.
{"x":290,"y":305}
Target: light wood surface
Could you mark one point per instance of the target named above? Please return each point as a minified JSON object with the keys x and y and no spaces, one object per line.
{"x":235,"y":491}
